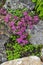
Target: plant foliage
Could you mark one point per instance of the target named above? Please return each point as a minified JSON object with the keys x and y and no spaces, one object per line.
{"x":39,"y":7}
{"x":15,"y":50}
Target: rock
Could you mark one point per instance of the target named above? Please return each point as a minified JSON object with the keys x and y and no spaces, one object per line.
{"x":41,"y":54}
{"x":4,"y":36}
{"x":14,"y":4}
{"x":37,"y":34}
{"x":2,"y":54}
{"x":32,"y":60}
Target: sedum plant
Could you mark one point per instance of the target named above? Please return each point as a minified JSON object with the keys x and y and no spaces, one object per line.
{"x":17,"y":12}
{"x":14,"y":50}
{"x":39,"y":7}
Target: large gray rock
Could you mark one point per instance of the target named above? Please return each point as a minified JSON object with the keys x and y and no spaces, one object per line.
{"x":37,"y":33}
{"x":14,"y":4}
{"x":4,"y":36}
{"x":32,"y":60}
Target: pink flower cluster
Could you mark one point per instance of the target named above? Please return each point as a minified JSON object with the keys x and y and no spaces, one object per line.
{"x":3,"y":11}
{"x":19,"y":26}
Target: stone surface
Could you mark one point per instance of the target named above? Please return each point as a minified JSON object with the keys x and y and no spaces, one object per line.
{"x":14,"y":4}
{"x":32,"y":60}
{"x":37,"y":33}
{"x":4,"y":36}
{"x":2,"y":54}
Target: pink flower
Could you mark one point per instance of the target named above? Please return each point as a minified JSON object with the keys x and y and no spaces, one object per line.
{"x":31,"y":26}
{"x":36,"y":18}
{"x":25,"y":42}
{"x":19,"y":40}
{"x":22,"y":36}
{"x":11,"y":23}
{"x":4,"y":12}
{"x":19,"y":23}
{"x":26,"y":18}
{"x":19,"y":33}
{"x":30,"y":22}
{"x":17,"y":27}
{"x":7,"y":18}
{"x":23,"y":29}
{"x":25,"y":13}
{"x":22,"y":20}
{"x":15,"y":17}
{"x":30,"y":18}
{"x":13,"y":28}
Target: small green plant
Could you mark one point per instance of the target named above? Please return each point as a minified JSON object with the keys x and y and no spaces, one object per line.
{"x":39,"y":7}
{"x":15,"y":50}
{"x":17,"y":12}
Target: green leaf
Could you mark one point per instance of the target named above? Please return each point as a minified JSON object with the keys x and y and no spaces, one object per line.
{"x":41,"y":14}
{"x":33,"y":0}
